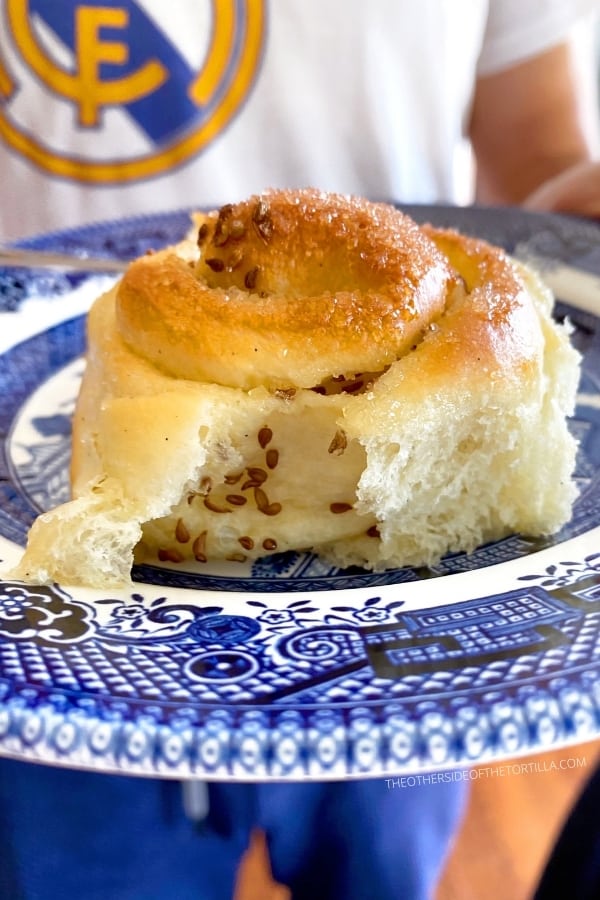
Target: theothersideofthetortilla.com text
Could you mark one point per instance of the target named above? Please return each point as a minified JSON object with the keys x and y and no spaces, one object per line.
{"x":526,"y":767}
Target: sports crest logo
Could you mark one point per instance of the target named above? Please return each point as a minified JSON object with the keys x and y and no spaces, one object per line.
{"x":115,"y":91}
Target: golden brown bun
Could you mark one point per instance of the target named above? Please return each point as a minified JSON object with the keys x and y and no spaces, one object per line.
{"x":291,"y":288}
{"x":375,"y":463}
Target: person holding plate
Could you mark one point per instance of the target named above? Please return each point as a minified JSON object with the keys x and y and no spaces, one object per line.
{"x":112,"y":110}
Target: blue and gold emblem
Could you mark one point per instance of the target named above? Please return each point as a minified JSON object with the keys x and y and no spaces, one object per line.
{"x":116,"y":91}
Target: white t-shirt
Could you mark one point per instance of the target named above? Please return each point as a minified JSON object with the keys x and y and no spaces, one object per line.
{"x":112,"y":110}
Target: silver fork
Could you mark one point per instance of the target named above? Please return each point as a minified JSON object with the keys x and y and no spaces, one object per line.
{"x":17,"y":257}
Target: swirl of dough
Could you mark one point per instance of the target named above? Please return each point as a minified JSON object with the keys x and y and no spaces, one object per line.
{"x":320,"y":374}
{"x":291,"y":288}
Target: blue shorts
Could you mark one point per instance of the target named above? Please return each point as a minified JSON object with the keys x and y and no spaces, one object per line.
{"x":70,"y":834}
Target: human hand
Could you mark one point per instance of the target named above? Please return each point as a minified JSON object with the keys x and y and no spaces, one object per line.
{"x":576,"y":190}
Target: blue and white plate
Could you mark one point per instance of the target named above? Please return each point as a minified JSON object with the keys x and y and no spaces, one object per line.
{"x":290,"y":669}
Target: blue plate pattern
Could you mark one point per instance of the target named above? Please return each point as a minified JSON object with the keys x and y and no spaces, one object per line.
{"x":291,"y":669}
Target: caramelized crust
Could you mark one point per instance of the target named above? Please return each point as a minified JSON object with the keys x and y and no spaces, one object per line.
{"x":291,"y":288}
